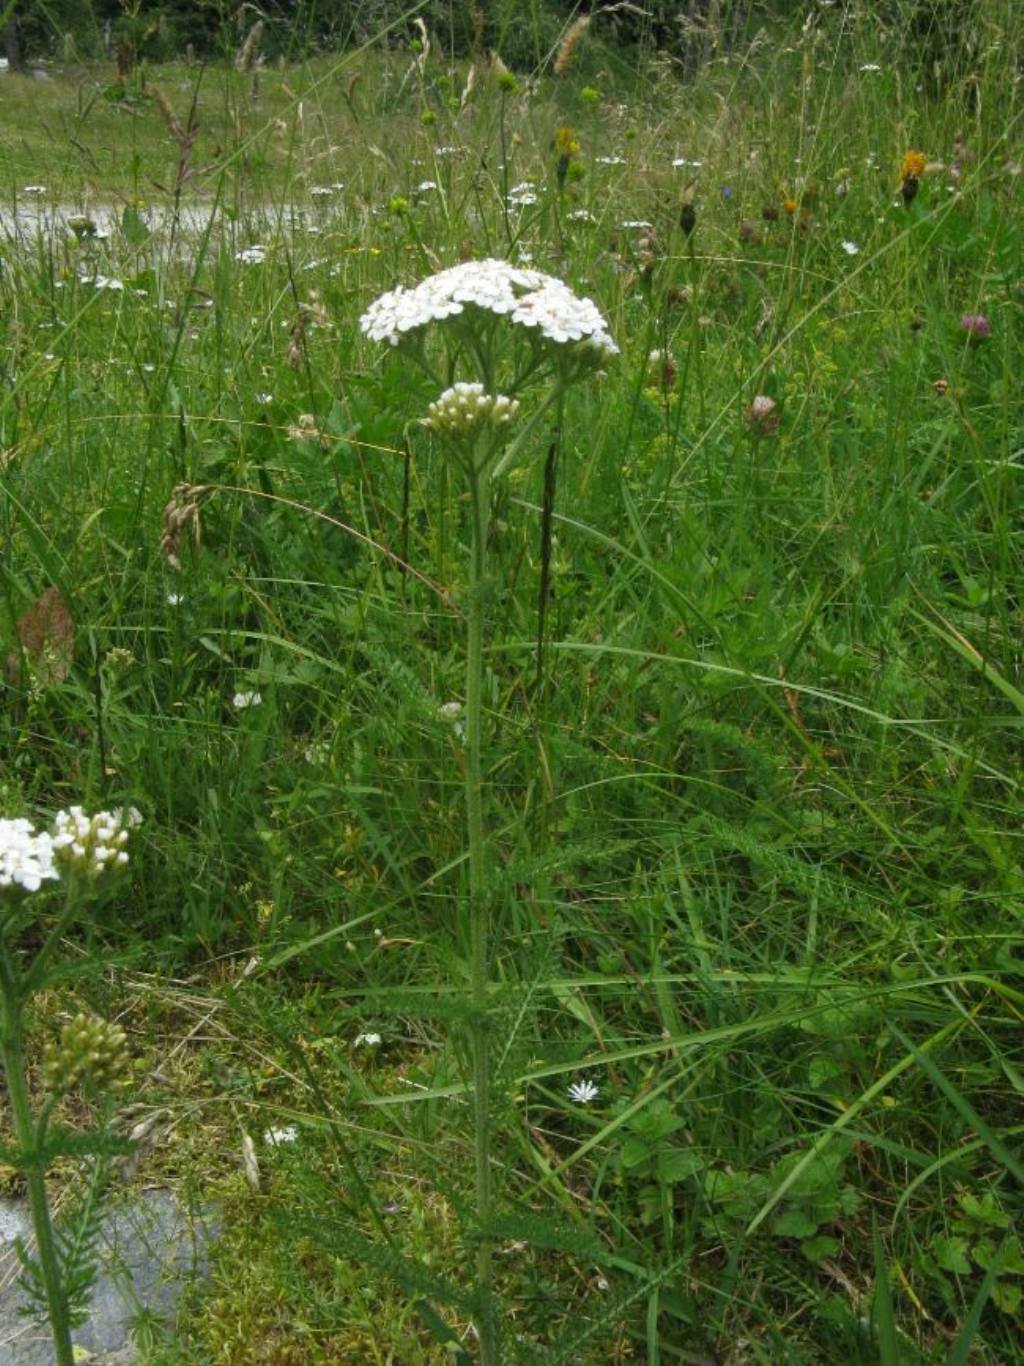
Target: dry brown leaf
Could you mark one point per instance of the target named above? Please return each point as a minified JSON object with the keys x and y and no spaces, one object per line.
{"x":47,"y":636}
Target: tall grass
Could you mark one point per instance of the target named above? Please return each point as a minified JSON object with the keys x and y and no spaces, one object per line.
{"x":759,"y":833}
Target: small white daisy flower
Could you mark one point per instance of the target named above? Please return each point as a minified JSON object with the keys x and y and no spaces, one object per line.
{"x":241,"y":700}
{"x":583,"y":1092}
{"x":851,"y":248}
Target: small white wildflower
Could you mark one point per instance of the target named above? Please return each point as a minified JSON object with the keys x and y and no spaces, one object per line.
{"x":320,"y":191}
{"x":686,"y":161}
{"x":634,"y":223}
{"x":370,"y":1040}
{"x":851,"y":248}
{"x":452,"y":712}
{"x":263,"y":398}
{"x":241,"y":700}
{"x":610,"y":161}
{"x":523,"y":195}
{"x":251,"y":256}
{"x":426,"y":185}
{"x":26,"y":858}
{"x":581,"y":216}
{"x":583,"y":1092}
{"x":871,"y":66}
{"x":102,"y":282}
{"x":276,"y":1137}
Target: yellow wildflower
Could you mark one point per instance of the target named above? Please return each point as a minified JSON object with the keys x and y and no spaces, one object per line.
{"x":566,"y":144}
{"x":913,"y":166}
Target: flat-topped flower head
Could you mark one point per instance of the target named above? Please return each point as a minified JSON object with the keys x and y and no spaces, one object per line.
{"x":527,"y":298}
{"x":465,"y":409}
{"x":26,"y":857}
{"x":92,"y":844}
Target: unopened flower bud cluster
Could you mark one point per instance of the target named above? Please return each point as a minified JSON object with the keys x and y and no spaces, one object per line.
{"x":464,"y":409}
{"x":92,"y":844}
{"x":89,"y":1050}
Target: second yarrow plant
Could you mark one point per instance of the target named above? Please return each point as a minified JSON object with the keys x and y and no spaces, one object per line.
{"x":74,"y":861}
{"x":502,"y":330}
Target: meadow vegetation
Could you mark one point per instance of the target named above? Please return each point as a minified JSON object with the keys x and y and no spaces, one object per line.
{"x":754,"y":809}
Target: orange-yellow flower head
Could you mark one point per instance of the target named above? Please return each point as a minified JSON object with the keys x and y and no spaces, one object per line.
{"x":913,"y":166}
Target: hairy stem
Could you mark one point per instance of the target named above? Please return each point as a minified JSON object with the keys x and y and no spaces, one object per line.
{"x":479,"y":909}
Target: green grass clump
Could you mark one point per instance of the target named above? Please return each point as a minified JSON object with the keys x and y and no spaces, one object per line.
{"x":758,"y":826}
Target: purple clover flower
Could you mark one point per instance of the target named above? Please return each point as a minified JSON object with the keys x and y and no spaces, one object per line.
{"x":976,"y":325}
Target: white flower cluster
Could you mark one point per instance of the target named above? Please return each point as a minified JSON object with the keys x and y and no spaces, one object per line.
{"x":26,"y":858}
{"x":526,"y":297}
{"x":93,"y":843}
{"x":523,"y":195}
{"x":465,"y":408}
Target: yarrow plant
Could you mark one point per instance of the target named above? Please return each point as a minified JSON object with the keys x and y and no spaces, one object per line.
{"x":71,"y":858}
{"x":511,"y":327}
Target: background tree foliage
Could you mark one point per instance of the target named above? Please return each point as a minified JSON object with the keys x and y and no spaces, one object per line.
{"x":524,"y":32}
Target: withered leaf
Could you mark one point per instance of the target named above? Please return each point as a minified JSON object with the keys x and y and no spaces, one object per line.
{"x":47,"y":636}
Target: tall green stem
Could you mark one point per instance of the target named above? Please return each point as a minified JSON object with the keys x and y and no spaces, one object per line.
{"x":479,"y":909}
{"x":12,"y":1051}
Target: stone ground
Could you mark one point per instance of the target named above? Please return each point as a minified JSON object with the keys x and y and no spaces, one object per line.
{"x":151,"y":1248}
